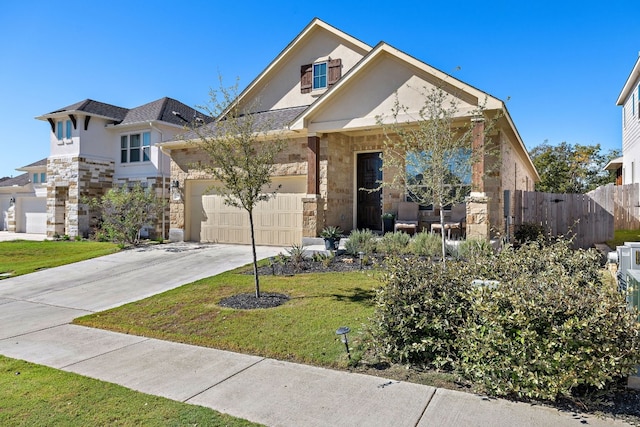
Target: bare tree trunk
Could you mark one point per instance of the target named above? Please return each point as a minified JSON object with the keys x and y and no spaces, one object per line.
{"x":255,"y":257}
{"x":442,"y":236}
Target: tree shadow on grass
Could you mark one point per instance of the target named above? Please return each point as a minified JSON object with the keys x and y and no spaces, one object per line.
{"x":356,"y":295}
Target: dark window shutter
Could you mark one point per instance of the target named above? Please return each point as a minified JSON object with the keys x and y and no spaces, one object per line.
{"x":306,"y":78}
{"x":335,"y":71}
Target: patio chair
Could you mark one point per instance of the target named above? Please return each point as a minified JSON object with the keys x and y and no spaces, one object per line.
{"x":457,"y":225}
{"x":407,"y":218}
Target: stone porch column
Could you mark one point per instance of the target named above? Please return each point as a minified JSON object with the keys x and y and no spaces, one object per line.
{"x":313,"y":208}
{"x":478,"y":221}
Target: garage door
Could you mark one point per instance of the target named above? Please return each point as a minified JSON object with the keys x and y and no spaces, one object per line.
{"x":277,"y":222}
{"x":33,"y":215}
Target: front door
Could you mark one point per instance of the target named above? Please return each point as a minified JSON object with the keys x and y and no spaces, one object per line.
{"x":369,"y":175}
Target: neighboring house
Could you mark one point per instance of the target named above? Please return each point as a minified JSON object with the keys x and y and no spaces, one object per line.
{"x":325,"y":91}
{"x":23,"y":200}
{"x":95,"y":146}
{"x":629,"y":99}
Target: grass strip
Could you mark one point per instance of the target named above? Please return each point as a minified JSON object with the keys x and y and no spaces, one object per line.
{"x":19,"y":257}
{"x":35,"y":395}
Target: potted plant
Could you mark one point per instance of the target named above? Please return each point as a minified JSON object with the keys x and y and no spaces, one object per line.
{"x":388,"y":219}
{"x":331,"y":236}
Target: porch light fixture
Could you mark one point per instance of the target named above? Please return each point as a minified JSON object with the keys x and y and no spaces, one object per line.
{"x":12,"y":201}
{"x":343,"y":331}
{"x":176,"y":195}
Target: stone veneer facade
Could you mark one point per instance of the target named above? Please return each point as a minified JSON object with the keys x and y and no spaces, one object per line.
{"x":335,"y":199}
{"x":70,"y":179}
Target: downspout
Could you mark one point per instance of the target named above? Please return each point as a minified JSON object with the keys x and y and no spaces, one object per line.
{"x":160,"y":156}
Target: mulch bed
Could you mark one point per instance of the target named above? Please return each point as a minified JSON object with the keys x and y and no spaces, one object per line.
{"x":250,"y":302}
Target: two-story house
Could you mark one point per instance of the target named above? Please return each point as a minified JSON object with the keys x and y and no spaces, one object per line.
{"x":95,"y":146}
{"x":628,"y":166}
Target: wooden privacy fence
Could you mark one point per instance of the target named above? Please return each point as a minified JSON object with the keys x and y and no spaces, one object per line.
{"x":622,"y":202}
{"x":591,"y":217}
{"x":564,"y":214}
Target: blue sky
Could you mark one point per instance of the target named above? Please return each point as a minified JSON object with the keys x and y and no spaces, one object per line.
{"x":559,"y":65}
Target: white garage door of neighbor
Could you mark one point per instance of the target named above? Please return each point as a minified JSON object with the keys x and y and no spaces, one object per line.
{"x":277,"y":222}
{"x":34,"y":215}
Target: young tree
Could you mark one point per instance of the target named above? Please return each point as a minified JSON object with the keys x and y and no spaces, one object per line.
{"x":430,"y":156}
{"x":124,"y":211}
{"x":242,"y":149}
{"x":567,"y":168}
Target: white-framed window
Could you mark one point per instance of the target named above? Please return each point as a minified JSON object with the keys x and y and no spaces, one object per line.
{"x":320,"y":75}
{"x":59,"y":130}
{"x":69,"y":128}
{"x":135,"y":147}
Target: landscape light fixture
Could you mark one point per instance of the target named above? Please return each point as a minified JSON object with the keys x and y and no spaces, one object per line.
{"x":343,"y":331}
{"x":361,"y":258}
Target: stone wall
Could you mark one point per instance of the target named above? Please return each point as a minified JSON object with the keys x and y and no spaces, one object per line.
{"x":72,"y":179}
{"x":187,"y":163}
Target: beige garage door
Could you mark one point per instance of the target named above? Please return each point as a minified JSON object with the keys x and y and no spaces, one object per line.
{"x":277,"y":222}
{"x":33,"y":218}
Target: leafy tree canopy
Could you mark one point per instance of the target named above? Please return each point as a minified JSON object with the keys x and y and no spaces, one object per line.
{"x":567,"y":168}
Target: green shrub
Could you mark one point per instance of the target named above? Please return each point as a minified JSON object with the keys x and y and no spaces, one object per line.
{"x":360,"y":241}
{"x":474,"y":249}
{"x":419,"y":310}
{"x":426,"y":244}
{"x":528,"y":232}
{"x":393,"y":243}
{"x":550,"y":326}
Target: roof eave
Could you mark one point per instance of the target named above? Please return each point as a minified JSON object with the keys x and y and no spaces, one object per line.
{"x":629,"y":84}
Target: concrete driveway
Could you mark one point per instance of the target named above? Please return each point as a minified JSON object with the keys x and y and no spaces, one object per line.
{"x":56,"y":296}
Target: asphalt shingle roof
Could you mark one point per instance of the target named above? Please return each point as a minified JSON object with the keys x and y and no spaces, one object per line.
{"x":98,"y":108}
{"x":19,"y":180}
{"x":263,"y":121}
{"x":163,"y":110}
{"x":42,"y":162}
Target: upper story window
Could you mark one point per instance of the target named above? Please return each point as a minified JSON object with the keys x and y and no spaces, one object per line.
{"x":63,"y":130}
{"x":39,"y":178}
{"x":135,"y":147}
{"x":320,"y":75}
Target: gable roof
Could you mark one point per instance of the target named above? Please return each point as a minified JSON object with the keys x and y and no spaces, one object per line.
{"x":316,"y":24}
{"x":629,"y":85}
{"x":447,"y":81}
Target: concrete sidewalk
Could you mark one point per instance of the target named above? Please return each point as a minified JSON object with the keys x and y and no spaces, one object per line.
{"x":35,"y":311}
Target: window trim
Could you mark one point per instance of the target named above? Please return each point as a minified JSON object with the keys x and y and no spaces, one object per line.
{"x":315,"y":76}
{"x":142,"y":150}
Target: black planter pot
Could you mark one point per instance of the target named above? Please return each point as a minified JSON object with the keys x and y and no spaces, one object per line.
{"x":388,"y":224}
{"x":331,"y":244}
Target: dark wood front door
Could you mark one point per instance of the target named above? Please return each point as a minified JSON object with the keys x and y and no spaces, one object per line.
{"x":369,"y":207}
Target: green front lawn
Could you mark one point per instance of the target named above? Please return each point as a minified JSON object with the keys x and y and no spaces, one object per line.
{"x":35,"y":395}
{"x":621,"y":236}
{"x":21,"y":256}
{"x":301,"y":330}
